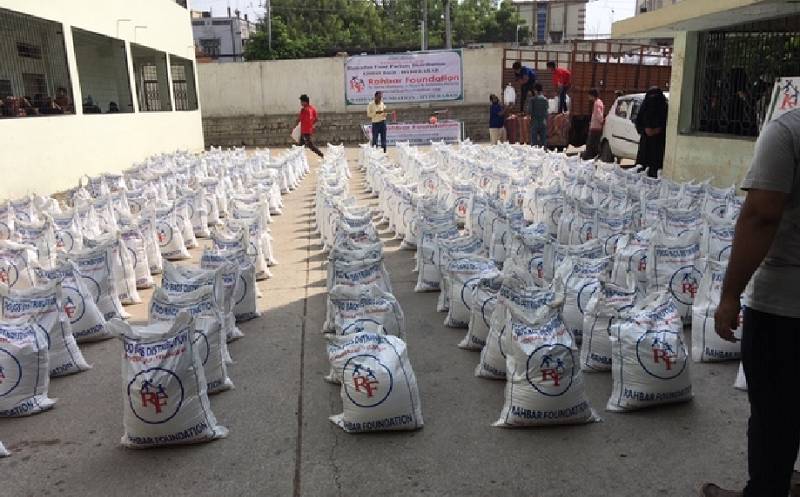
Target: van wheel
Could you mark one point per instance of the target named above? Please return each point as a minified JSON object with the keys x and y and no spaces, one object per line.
{"x":605,"y":152}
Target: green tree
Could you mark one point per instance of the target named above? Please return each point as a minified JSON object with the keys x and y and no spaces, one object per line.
{"x":313,"y":28}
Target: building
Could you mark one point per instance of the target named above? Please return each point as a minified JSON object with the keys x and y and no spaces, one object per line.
{"x":727,"y":56}
{"x":644,"y":6}
{"x":553,"y":21}
{"x":90,"y":87}
{"x":222,"y":39}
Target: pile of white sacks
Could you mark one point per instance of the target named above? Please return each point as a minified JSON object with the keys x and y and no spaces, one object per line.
{"x":364,"y":325}
{"x":559,"y":268}
{"x":68,"y":268}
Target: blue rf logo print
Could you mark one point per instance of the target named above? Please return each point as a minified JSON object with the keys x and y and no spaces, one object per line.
{"x":684,"y":284}
{"x":551,"y":369}
{"x":155,"y":395}
{"x":367,"y":382}
{"x":661,"y":354}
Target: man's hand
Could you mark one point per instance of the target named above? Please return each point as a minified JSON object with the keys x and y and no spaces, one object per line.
{"x":726,"y":319}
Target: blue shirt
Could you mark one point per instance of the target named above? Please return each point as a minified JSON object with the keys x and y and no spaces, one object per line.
{"x":496,"y":119}
{"x":529,"y":72}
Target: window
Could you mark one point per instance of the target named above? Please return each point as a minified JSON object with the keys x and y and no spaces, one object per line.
{"x":210,"y":47}
{"x":735,"y":74}
{"x":198,"y":23}
{"x":29,"y":50}
{"x":183,"y":83}
{"x":103,"y":70}
{"x":34,"y":77}
{"x":152,"y":88}
{"x":541,"y":22}
{"x":5,"y":89}
{"x":34,"y":84}
{"x":637,"y":104}
{"x":622,"y":108}
{"x":225,"y":22}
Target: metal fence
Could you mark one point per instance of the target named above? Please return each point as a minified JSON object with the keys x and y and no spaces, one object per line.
{"x":34,"y":77}
{"x":735,"y":74}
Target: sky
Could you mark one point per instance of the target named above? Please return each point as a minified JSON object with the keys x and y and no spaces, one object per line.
{"x":601,"y":13}
{"x":219,"y":7}
{"x":599,"y":16}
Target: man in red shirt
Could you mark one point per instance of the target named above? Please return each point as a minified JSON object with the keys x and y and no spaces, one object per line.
{"x":562,"y":78}
{"x":308,"y":123}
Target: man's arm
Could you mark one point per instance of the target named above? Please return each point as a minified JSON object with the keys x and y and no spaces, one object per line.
{"x":769,"y":182}
{"x":755,"y":231}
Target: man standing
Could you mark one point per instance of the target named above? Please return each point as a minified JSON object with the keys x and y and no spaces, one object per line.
{"x":595,"y":126}
{"x":497,"y":118}
{"x":526,"y":78}
{"x":765,"y":248}
{"x":539,"y":109}
{"x":562,"y":79}
{"x":308,"y":124}
{"x":376,"y":111}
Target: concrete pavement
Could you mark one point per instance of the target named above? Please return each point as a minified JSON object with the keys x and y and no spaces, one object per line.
{"x":282,"y":444}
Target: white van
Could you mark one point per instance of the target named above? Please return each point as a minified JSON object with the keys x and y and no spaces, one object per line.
{"x":620,"y":138}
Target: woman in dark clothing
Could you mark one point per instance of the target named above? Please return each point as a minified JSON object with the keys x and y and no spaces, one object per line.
{"x":651,"y":123}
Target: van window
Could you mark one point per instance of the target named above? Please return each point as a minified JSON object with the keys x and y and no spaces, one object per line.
{"x":622,"y":108}
{"x":637,"y":104}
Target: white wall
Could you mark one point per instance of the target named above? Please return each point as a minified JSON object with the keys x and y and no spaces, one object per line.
{"x":273,"y":87}
{"x":49,"y":154}
{"x":56,"y":151}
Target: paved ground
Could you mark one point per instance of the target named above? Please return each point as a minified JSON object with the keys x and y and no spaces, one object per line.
{"x":282,"y":444}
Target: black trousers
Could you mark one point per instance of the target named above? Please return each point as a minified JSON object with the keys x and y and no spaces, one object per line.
{"x":651,"y":153}
{"x":379,"y":131}
{"x":772,"y":369}
{"x":562,"y":98}
{"x":306,"y":140}
{"x":592,"y":144}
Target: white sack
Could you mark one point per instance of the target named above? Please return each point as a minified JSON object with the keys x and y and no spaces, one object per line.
{"x":164,"y":386}
{"x":25,"y":370}
{"x":379,"y":390}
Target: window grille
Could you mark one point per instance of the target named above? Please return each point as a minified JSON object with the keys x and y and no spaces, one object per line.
{"x":152,"y":88}
{"x":183,"y":83}
{"x":735,"y":74}
{"x":210,"y":47}
{"x":34,"y":76}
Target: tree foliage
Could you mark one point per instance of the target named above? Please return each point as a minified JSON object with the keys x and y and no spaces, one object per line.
{"x":316,"y":28}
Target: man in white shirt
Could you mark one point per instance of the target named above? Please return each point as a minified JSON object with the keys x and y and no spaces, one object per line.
{"x":376,"y":111}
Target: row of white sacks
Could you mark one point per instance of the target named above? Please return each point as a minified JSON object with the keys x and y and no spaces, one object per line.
{"x":559,"y":267}
{"x":364,"y":325}
{"x":56,"y":295}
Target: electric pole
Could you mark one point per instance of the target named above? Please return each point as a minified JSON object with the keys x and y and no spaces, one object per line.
{"x":269,"y":24}
{"x":424,"y":44}
{"x":448,"y":29}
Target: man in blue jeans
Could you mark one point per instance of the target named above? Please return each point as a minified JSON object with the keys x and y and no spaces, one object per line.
{"x":538,"y":109}
{"x":765,"y":266}
{"x":376,"y":110}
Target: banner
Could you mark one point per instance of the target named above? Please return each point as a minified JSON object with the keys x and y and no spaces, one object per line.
{"x":404,"y":78}
{"x":785,"y":97}
{"x":419,"y":134}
